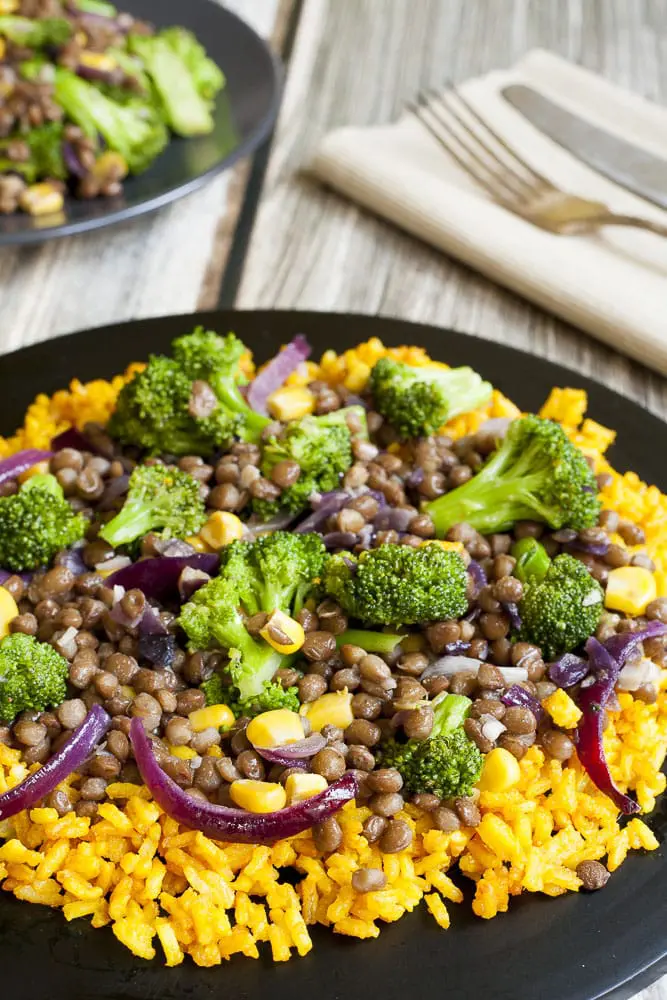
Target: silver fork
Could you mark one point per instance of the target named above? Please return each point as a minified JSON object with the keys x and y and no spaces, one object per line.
{"x":510,"y":180}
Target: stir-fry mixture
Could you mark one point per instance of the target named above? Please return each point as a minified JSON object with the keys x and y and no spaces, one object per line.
{"x":89,"y":95}
{"x":281,"y":648}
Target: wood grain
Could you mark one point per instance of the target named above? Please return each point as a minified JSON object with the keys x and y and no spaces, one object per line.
{"x":167,"y":262}
{"x":356,"y":62}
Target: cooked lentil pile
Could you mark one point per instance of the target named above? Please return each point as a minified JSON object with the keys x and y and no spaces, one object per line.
{"x":328,"y":597}
{"x":88,"y":95}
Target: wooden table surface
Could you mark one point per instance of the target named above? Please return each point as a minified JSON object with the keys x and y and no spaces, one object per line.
{"x":298,"y":246}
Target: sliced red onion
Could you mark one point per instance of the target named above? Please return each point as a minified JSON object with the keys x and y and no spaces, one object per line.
{"x":568,"y":670}
{"x":158,"y":578}
{"x":73,"y":559}
{"x":513,"y":614}
{"x":76,"y":168}
{"x":119,"y":614}
{"x":447,"y":666}
{"x":457,"y":648}
{"x":590,"y":548}
{"x":340,"y":539}
{"x":623,"y":645}
{"x":414,"y":478}
{"x":478,"y":575}
{"x":234,"y":825}
{"x":21,"y":461}
{"x":69,"y":758}
{"x":190,"y":581}
{"x":151,"y":623}
{"x":593,"y":700}
{"x":521,"y":698}
{"x":393,"y":518}
{"x":289,"y":752}
{"x":472,"y":615}
{"x":160,"y":650}
{"x":6,"y":573}
{"x":254,"y":526}
{"x":277,"y":372}
{"x":328,"y":504}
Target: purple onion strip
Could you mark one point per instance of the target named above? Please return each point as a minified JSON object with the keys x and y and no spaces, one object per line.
{"x":21,"y":461}
{"x":277,"y":372}
{"x":290,"y":752}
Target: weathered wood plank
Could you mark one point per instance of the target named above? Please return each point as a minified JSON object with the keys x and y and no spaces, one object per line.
{"x":167,"y":262}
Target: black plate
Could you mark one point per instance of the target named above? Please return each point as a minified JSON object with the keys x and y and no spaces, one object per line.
{"x":245,"y":111}
{"x":577,"y":947}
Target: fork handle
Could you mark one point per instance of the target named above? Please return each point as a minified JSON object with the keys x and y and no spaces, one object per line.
{"x":636,"y":221}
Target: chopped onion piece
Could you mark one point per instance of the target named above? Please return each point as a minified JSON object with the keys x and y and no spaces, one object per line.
{"x":492,"y":728}
{"x":447,"y":666}
{"x":634,"y":675}
{"x":113,"y":565}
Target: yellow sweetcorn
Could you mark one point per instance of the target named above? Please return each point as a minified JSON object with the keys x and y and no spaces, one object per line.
{"x":283,"y":633}
{"x":291,"y":403}
{"x":630,"y":589}
{"x":275,"y":728}
{"x":448,"y":546}
{"x":221,"y":529}
{"x":184,"y":753}
{"x":500,"y":772}
{"x":332,"y":709}
{"x":98,"y":61}
{"x":41,"y":199}
{"x":216,"y":716}
{"x":39,"y":469}
{"x":258,"y":796}
{"x":8,"y":610}
{"x":303,"y":786}
{"x":562,"y":709}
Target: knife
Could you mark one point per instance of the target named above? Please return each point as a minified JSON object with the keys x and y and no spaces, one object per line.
{"x":630,"y":166}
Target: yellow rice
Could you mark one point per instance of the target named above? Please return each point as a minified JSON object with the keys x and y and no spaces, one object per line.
{"x":163,"y":887}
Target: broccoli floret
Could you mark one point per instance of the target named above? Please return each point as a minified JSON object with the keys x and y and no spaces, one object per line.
{"x":447,"y":764}
{"x":418,"y":401}
{"x":36,"y":33}
{"x":184,"y":77}
{"x":134,"y":128}
{"x":158,"y":412}
{"x":399,"y":585}
{"x":32,"y":676}
{"x":276,"y":572}
{"x":273,"y":695}
{"x":46,"y":156}
{"x":561,"y":611}
{"x":322,"y":446}
{"x":536,"y":474}
{"x":35,"y":523}
{"x":159,"y":497}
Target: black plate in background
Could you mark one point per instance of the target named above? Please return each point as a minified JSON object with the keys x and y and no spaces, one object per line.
{"x":577,"y":947}
{"x":244,"y":113}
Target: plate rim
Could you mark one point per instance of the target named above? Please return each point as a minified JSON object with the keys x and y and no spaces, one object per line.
{"x":248,"y":145}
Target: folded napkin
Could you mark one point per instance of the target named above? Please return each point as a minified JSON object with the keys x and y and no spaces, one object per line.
{"x":612,"y":284}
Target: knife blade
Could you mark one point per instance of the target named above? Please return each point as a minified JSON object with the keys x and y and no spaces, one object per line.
{"x":633,"y":168}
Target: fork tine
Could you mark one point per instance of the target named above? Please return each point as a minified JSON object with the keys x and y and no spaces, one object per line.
{"x":509,"y":150}
{"x":419,"y":111}
{"x":478,"y":150}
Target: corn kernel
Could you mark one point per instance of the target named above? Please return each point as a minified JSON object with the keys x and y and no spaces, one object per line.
{"x":285,"y":634}
{"x":221,"y":529}
{"x":8,"y":610}
{"x":9,"y":6}
{"x":110,"y":166}
{"x":498,"y":836}
{"x":3,"y":49}
{"x":630,"y":589}
{"x":448,"y":546}
{"x":98,"y":61}
{"x":214,"y":751}
{"x":562,"y":709}
{"x":501,"y":771}
{"x":333,"y":709}
{"x":185,"y":753}
{"x":41,"y":199}
{"x":40,"y":469}
{"x":258,"y":796}
{"x":291,"y":403}
{"x":216,"y":716}
{"x":197,"y":543}
{"x":273,"y":729}
{"x":303,"y":786}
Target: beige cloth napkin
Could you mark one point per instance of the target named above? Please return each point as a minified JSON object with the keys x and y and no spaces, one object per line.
{"x":612,"y":284}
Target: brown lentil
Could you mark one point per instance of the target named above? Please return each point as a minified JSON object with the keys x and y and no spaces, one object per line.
{"x":396,"y":837}
{"x":593,"y":875}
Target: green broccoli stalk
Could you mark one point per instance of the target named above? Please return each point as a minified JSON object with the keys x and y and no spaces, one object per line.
{"x":35,"y":523}
{"x":536,"y":474}
{"x":134,"y":129}
{"x":562,"y":610}
{"x":159,"y":497}
{"x":372,"y":642}
{"x":399,"y":585}
{"x":532,"y":560}
{"x":35,"y":33}
{"x":418,"y":401}
{"x":447,"y":764}
{"x":273,"y":695}
{"x":183,"y":76}
{"x":32,"y":676}
{"x":159,"y":412}
{"x":322,"y":446}
{"x":275,"y":572}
